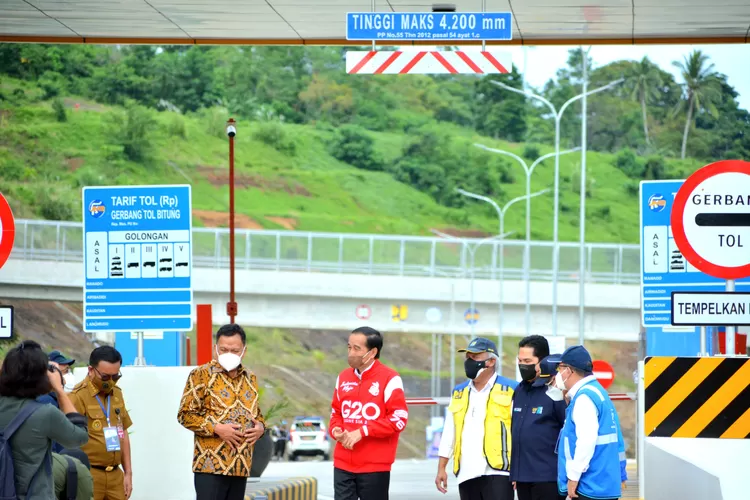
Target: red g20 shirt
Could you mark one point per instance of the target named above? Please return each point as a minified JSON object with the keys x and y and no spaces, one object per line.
{"x":375,"y":403}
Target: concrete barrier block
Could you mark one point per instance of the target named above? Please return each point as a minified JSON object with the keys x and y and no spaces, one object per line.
{"x":296,"y":488}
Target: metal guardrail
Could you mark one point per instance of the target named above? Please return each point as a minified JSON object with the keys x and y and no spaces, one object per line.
{"x":358,"y":253}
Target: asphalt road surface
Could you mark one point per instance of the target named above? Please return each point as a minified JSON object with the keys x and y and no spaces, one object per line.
{"x":410,"y":479}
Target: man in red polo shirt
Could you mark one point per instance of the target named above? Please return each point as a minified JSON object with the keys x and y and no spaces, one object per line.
{"x":368,"y":412}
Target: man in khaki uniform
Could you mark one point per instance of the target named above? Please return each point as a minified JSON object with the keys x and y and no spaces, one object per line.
{"x":100,"y":400}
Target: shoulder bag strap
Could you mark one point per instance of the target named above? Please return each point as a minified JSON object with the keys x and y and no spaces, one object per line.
{"x":71,"y":483}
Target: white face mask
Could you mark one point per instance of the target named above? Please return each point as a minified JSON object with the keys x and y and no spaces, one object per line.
{"x":229,"y":361}
{"x":70,"y":382}
{"x":559,"y":382}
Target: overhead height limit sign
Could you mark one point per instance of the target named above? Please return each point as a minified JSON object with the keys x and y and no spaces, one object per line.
{"x":711,"y":219}
{"x":399,"y":28}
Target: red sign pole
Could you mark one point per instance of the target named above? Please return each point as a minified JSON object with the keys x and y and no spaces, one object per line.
{"x":8,"y":234}
{"x":204,"y":337}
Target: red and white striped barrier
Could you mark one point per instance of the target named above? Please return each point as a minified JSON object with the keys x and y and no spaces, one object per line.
{"x":614,"y":396}
{"x":382,"y":62}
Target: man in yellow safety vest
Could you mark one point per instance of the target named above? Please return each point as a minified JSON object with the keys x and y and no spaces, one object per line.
{"x":477,"y":428}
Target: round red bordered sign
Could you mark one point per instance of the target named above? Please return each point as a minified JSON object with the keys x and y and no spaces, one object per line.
{"x":8,"y":233}
{"x":604,"y":373}
{"x":711,"y":219}
{"x":363,"y":311}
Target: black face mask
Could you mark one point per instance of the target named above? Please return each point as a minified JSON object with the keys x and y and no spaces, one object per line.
{"x":528,"y":372}
{"x":472,"y":367}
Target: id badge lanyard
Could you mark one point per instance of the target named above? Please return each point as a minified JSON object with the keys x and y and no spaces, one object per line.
{"x":106,"y":412}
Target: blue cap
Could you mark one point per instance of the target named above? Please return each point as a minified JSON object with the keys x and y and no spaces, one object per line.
{"x":479,"y":345}
{"x":546,"y":370}
{"x":548,"y":365}
{"x":58,"y":358}
{"x":576,"y":357}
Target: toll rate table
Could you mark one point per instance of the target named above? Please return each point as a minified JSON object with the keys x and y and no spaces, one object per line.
{"x":137,"y":258}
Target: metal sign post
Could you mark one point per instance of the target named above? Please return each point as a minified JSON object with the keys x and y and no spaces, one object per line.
{"x":140,"y":359}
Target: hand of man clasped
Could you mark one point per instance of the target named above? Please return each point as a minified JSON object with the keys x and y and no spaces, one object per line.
{"x":347,"y":438}
{"x":233,"y":434}
{"x":253,"y":434}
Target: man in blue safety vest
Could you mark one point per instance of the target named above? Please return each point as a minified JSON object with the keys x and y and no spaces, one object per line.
{"x":591,"y":451}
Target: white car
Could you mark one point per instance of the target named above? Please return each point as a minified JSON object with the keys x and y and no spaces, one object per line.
{"x":308,"y":437}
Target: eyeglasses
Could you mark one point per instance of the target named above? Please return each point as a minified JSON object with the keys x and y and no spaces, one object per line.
{"x":107,"y":378}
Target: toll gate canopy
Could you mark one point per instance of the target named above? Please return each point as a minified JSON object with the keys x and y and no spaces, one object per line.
{"x":323,"y":22}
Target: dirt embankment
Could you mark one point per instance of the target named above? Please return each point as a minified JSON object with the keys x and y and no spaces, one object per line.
{"x":54,"y":325}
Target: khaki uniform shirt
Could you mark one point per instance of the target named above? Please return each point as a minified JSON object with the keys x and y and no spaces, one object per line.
{"x":212,"y":397}
{"x":86,"y":403}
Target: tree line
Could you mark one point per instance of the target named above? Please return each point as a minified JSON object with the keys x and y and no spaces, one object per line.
{"x":647,"y":118}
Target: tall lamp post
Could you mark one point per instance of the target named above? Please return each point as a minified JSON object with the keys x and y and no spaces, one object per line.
{"x":527,"y":246}
{"x":582,"y":213}
{"x":472,"y":252}
{"x":558,"y":116}
{"x":232,"y":304}
{"x":501,"y":215}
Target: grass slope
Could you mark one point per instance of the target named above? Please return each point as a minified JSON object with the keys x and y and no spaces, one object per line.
{"x":44,"y":163}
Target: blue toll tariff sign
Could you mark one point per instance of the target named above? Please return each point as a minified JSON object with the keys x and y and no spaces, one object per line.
{"x":413,"y":26}
{"x":663,"y":267}
{"x":137,"y":257}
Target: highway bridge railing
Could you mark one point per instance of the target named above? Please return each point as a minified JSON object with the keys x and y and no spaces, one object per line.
{"x":375,"y":254}
{"x":445,"y":401}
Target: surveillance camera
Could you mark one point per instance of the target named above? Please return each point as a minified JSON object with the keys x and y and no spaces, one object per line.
{"x":443,"y":7}
{"x":231,"y":130}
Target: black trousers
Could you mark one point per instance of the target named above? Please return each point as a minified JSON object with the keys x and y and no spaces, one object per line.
{"x":365,"y":486}
{"x":279,"y":447}
{"x":486,"y":488}
{"x":538,"y":491}
{"x":218,"y":487}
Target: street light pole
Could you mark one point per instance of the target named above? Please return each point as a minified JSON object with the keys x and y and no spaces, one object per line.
{"x":472,"y":254}
{"x":527,"y":247}
{"x":582,"y":213}
{"x":501,"y":215}
{"x":555,"y":225}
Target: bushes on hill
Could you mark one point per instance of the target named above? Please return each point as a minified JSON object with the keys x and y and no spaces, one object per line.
{"x":133,"y":133}
{"x":275,"y":135}
{"x":354,"y":146}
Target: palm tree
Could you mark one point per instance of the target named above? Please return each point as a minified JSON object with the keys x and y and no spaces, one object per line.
{"x":645,"y":83}
{"x":702,"y":87}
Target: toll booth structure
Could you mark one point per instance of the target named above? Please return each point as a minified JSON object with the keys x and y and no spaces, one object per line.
{"x":693,"y":427}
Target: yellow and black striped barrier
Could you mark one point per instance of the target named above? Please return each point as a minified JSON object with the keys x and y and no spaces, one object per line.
{"x":697,"y":397}
{"x":296,"y":488}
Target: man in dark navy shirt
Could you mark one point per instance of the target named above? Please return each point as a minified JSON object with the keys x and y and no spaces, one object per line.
{"x":538,"y":417}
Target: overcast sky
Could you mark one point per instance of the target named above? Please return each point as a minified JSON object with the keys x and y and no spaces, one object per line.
{"x":731,"y":60}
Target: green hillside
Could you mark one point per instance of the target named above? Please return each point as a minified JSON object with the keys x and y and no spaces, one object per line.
{"x":330,"y":153}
